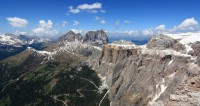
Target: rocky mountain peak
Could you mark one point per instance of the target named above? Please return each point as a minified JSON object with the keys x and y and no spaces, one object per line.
{"x":162,"y":42}
{"x":98,"y":37}
{"x":71,"y":36}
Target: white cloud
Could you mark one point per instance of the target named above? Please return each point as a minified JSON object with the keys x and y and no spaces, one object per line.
{"x":64,"y":23}
{"x":91,"y":8}
{"x":147,"y":32}
{"x":45,"y":28}
{"x":76,"y":22}
{"x":127,"y":21}
{"x":17,"y":22}
{"x":97,"y":18}
{"x":160,"y":27}
{"x":189,"y":23}
{"x":73,"y":10}
{"x":101,"y":20}
{"x":130,"y":32}
{"x":96,"y":5}
{"x":103,"y":11}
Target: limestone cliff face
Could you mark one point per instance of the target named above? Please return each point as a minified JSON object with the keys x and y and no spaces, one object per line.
{"x":142,"y":76}
{"x":113,"y":53}
{"x":98,"y":37}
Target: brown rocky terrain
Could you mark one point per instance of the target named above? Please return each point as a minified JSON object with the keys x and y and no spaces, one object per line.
{"x":156,"y":75}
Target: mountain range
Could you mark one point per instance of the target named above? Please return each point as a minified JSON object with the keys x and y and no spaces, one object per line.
{"x":88,"y":71}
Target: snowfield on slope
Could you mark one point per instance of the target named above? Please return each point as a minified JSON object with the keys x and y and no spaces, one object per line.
{"x":186,"y":39}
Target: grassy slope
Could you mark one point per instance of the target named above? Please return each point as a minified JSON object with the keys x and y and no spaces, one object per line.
{"x":25,"y":81}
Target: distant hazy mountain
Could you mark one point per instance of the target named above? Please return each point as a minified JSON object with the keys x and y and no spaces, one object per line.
{"x":11,"y":44}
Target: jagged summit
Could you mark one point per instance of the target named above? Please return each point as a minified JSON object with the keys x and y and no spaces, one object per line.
{"x":96,"y":38}
{"x":71,"y":36}
{"x":163,"y":42}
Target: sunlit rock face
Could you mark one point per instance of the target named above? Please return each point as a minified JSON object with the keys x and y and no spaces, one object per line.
{"x":158,"y":74}
{"x":98,"y":37}
{"x":113,"y":53}
{"x":163,"y":42}
{"x":71,"y":37}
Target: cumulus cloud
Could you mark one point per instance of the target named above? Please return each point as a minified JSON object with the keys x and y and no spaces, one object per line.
{"x":76,"y":22}
{"x":103,"y":22}
{"x":96,"y":5}
{"x":17,"y":22}
{"x":97,"y":18}
{"x":91,"y":8}
{"x":73,"y":10}
{"x":103,"y":11}
{"x":127,"y":21}
{"x":147,"y":32}
{"x":100,"y":20}
{"x":160,"y":27}
{"x":64,"y":23}
{"x":45,"y":28}
{"x":189,"y":23}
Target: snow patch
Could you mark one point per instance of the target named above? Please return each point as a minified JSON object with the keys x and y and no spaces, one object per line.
{"x":163,"y":53}
{"x":49,"y":55}
{"x":9,"y":40}
{"x":160,"y":88}
{"x":104,"y":84}
{"x":170,"y":62}
{"x":171,"y":75}
{"x":186,"y":39}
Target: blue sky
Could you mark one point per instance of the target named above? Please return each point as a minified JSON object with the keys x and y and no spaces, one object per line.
{"x":136,"y":18}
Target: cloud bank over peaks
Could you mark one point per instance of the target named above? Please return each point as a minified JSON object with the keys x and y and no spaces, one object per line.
{"x":187,"y":25}
{"x":17,"y":22}
{"x":90,"y":8}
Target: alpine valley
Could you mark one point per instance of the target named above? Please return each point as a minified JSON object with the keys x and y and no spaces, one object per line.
{"x":86,"y":70}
